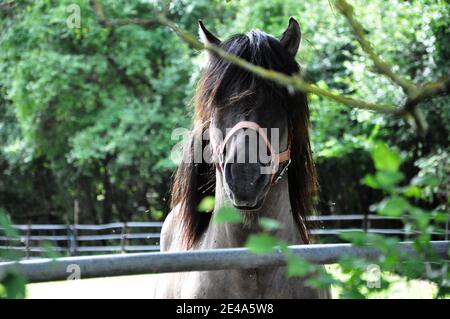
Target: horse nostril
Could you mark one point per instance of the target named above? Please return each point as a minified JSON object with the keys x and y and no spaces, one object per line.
{"x":245,"y":183}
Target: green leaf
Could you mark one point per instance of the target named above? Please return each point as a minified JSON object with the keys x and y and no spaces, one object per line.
{"x":2,"y":291}
{"x":413,"y":191}
{"x":5,"y":223}
{"x":14,"y":284}
{"x":269,"y":224}
{"x":227,"y":215}
{"x":371,"y":181}
{"x":382,"y":179}
{"x":49,"y":250}
{"x":352,"y":294}
{"x":388,"y":179}
{"x":165,"y":164}
{"x":349,"y":263}
{"x":323,"y":280}
{"x":421,"y":217}
{"x":156,"y":214}
{"x":261,"y":243}
{"x":386,"y":159}
{"x":297,"y":266}
{"x":358,"y":238}
{"x":440,"y":217}
{"x":283,"y":246}
{"x":385,"y":244}
{"x":425,"y":180}
{"x":393,"y":206}
{"x":207,"y":204}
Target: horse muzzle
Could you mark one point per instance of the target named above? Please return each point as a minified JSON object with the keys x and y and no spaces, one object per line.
{"x":247,"y":182}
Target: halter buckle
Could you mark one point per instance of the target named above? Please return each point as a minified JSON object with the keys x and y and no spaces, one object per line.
{"x":282,"y":172}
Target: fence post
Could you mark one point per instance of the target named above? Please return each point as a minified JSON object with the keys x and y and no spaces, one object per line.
{"x":365,"y":224}
{"x":446,"y":229}
{"x":72,"y":239}
{"x":123,"y":239}
{"x":27,"y":241}
{"x":446,"y":213}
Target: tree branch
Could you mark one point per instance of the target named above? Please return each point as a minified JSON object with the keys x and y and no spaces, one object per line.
{"x":429,"y":89}
{"x":382,"y":66}
{"x":102,"y":20}
{"x":294,"y":81}
{"x":7,"y":5}
{"x":415,"y":94}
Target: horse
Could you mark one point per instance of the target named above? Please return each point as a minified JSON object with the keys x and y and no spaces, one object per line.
{"x":232,"y":102}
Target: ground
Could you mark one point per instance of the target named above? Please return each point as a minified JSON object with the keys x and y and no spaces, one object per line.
{"x":140,"y":287}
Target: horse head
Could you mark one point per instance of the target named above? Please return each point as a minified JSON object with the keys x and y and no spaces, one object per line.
{"x":257,"y":129}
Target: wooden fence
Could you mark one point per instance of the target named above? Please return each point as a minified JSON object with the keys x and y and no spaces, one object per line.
{"x":109,"y":238}
{"x":80,"y":239}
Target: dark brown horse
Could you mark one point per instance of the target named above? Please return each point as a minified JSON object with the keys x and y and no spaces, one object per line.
{"x":229,"y":97}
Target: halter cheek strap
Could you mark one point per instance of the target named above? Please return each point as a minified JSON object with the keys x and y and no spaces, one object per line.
{"x":283,"y":158}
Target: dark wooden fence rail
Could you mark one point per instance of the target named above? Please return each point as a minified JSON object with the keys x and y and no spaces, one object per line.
{"x":82,"y":239}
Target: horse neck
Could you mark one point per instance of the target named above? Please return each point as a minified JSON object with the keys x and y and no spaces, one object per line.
{"x":276,"y":206}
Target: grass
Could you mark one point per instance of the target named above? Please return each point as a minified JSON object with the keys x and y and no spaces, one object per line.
{"x":400,"y":288}
{"x":141,"y":287}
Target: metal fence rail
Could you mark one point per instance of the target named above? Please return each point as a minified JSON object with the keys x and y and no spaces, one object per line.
{"x":148,"y":263}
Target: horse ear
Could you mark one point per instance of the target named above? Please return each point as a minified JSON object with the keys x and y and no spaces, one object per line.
{"x":290,"y":39}
{"x":206,"y":36}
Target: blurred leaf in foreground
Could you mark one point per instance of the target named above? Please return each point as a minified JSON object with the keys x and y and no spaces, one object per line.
{"x":227,"y":215}
{"x":261,"y":243}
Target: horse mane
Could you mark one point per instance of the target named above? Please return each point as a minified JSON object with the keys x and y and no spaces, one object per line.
{"x":222,"y":82}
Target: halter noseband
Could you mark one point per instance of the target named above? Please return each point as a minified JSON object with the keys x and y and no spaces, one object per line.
{"x":283,"y":158}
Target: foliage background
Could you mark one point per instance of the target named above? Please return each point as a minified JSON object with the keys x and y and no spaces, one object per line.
{"x":86,"y":114}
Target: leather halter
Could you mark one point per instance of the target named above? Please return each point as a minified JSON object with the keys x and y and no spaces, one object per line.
{"x":276,"y":158}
